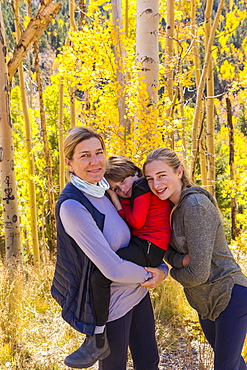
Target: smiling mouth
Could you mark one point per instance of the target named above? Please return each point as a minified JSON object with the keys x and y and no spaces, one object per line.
{"x":95,"y":171}
{"x":161,"y":191}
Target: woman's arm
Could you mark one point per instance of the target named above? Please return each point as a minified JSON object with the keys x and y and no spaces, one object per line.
{"x":80,"y":225}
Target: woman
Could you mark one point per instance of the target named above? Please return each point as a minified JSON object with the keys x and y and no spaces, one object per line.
{"x":201,"y":260}
{"x":89,"y":231}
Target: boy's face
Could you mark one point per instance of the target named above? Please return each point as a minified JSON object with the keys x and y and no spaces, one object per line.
{"x":123,"y":188}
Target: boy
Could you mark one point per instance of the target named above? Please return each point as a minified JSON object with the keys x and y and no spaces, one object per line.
{"x":148,"y":219}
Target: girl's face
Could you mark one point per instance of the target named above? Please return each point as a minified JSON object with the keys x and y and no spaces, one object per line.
{"x":88,"y":161}
{"x":123,"y":188}
{"x":164,"y":181}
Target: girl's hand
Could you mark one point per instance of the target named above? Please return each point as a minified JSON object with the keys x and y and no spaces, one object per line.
{"x":158,"y":276}
{"x":186,"y":260}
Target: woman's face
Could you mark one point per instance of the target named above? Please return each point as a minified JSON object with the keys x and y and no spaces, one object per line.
{"x":88,"y":161}
{"x":123,"y":188}
{"x":164,"y":181}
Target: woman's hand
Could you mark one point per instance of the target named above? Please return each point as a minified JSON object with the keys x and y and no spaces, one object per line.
{"x":186,"y":260}
{"x":158,"y":276}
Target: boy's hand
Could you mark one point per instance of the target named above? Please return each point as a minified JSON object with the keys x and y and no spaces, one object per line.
{"x":111,"y":193}
{"x":115,"y":200}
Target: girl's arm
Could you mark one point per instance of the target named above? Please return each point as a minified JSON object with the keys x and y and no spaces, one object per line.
{"x":174,"y":258}
{"x":200,"y":227}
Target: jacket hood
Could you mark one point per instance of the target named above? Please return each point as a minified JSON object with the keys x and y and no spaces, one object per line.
{"x":196,"y":190}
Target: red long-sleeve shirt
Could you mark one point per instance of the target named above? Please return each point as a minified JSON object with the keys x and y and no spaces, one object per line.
{"x":147,"y":215}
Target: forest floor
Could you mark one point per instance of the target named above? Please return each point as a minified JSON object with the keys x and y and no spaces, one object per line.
{"x":33,"y":335}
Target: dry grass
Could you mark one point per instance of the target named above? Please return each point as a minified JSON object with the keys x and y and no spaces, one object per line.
{"x":33,"y":336}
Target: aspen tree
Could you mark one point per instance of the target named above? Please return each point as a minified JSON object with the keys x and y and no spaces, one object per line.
{"x":147,"y":46}
{"x":46,"y":149}
{"x":210,"y":106}
{"x":35,"y":28}
{"x":182,"y":111}
{"x":30,"y":158}
{"x":232,"y":167}
{"x":169,"y":74}
{"x":61,"y":138}
{"x":72,"y":88}
{"x":82,"y":7}
{"x":8,"y":179}
{"x":196,"y":58}
{"x":119,"y":56}
{"x":127,"y":18}
{"x":198,"y":107}
{"x":148,"y":62}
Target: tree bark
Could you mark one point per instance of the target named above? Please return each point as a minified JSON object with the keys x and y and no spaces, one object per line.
{"x":147,"y":62}
{"x":232,"y":167}
{"x":82,"y":7}
{"x":30,"y":159}
{"x":8,"y":179}
{"x":147,"y":46}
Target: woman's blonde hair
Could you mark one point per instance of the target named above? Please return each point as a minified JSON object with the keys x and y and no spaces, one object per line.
{"x":78,"y":134}
{"x":118,"y":167}
{"x":172,"y":160}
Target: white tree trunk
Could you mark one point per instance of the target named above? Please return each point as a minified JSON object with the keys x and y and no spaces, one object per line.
{"x":147,"y":46}
{"x":8,"y":180}
{"x":30,"y":158}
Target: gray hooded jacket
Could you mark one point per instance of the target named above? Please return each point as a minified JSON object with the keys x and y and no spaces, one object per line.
{"x":197,"y":229}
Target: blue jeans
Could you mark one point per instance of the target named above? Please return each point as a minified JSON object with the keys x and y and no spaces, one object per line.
{"x":227,"y":333}
{"x":136,"y":329}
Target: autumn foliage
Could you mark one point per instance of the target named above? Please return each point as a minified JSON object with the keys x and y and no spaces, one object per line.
{"x":86,"y":68}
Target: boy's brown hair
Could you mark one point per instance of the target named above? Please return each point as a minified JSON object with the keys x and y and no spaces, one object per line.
{"x":118,"y":167}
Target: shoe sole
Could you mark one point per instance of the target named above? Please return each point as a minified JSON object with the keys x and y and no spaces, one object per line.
{"x":85,"y":366}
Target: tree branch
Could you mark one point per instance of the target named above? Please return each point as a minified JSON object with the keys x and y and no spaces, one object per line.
{"x":34,"y":30}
